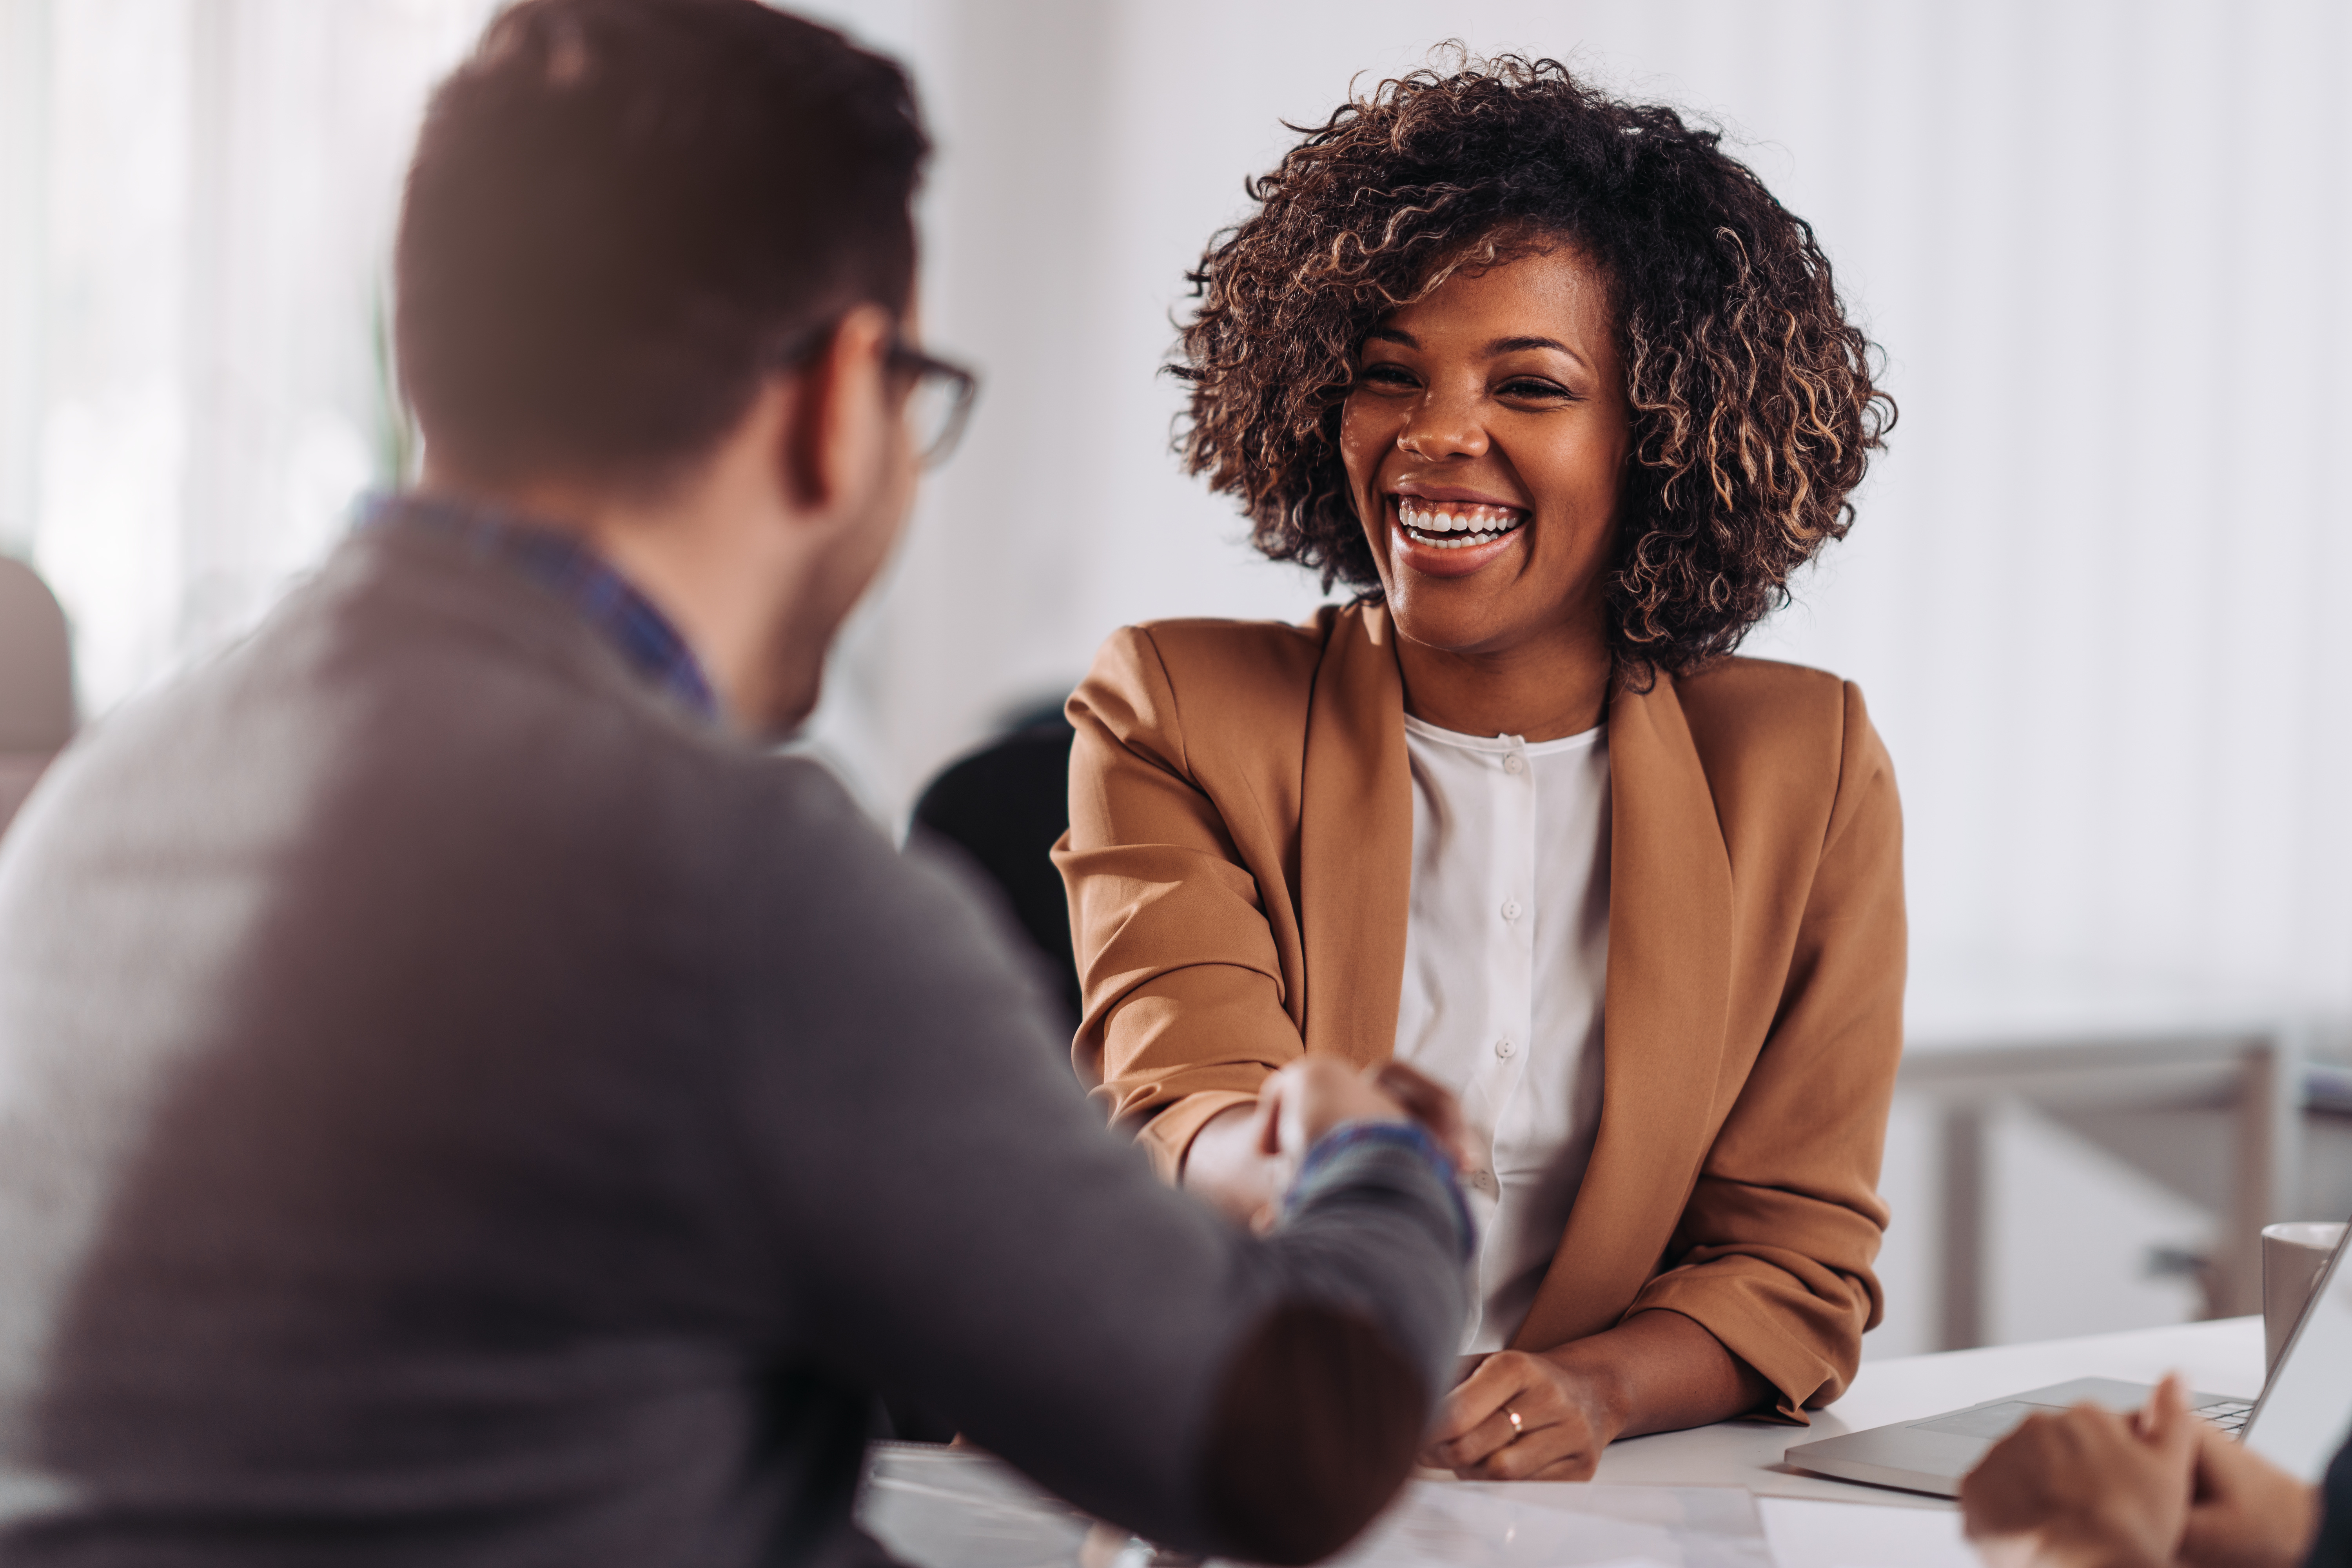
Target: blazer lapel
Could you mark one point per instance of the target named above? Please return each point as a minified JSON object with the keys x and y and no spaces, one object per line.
{"x":1355,"y":850}
{"x":1669,"y":987}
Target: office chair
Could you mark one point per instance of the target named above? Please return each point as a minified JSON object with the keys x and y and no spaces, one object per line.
{"x":36,"y":700}
{"x":1002,"y":807}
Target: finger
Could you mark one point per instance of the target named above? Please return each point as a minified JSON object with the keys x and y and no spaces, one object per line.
{"x":2219,"y":1469}
{"x":1479,"y":1415}
{"x":1266,"y":1115}
{"x":1480,"y":1445}
{"x":1561,"y":1450}
{"x":2212,"y":1445}
{"x":2005,"y":1493}
{"x":1409,"y":1083}
{"x":1477,"y":1397}
{"x":1427,"y":1102}
{"x":1437,"y":1110}
{"x":1407,"y":1088}
{"x":2165,"y":1421}
{"x":2163,"y":1403}
{"x":1298,"y":1108}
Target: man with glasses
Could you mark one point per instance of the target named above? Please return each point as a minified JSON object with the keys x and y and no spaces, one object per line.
{"x":464,"y":1100}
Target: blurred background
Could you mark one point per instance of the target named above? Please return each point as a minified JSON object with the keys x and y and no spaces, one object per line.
{"x":2093,"y":596}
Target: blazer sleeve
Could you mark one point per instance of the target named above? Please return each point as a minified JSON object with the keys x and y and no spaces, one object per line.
{"x":1774,"y":1249}
{"x":1182,"y":983}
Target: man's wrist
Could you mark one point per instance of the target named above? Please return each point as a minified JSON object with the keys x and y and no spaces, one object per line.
{"x":1403,"y":1135}
{"x":1398,"y":1130}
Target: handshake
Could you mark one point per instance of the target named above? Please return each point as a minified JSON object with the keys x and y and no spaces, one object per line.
{"x":1245,"y":1160}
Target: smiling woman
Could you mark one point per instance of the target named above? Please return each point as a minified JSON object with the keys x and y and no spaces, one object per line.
{"x":1489,"y":456}
{"x":1566,"y":396}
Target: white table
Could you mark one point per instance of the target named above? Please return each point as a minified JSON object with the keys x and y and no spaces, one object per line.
{"x":1811,"y":1522}
{"x":1815,"y":1522}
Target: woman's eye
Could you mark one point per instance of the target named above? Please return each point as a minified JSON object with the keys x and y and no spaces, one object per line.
{"x":1529,"y":388}
{"x":1384,"y":375}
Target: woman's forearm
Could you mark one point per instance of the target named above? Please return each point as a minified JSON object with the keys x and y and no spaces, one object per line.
{"x":1661,"y":1372}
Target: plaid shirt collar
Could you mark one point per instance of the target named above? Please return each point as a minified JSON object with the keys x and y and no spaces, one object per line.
{"x":560,"y":563}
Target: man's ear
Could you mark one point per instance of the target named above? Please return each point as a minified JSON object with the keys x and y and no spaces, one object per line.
{"x":839,"y":425}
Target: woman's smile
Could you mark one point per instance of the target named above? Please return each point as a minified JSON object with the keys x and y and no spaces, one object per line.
{"x":1451,"y":538}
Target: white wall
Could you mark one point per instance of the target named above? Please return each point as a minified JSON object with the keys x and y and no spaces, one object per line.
{"x":2093,"y":591}
{"x":195,"y":207}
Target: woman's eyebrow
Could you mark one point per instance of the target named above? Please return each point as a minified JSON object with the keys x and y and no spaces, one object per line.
{"x":1516,"y":345}
{"x":1392,"y":335}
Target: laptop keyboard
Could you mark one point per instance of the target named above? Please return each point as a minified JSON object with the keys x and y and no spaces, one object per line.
{"x":2230,"y":1414}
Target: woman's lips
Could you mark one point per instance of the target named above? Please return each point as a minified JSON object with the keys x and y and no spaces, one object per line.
{"x":1450,"y":539}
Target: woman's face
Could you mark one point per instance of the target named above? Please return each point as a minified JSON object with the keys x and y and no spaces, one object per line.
{"x":1484,"y":439}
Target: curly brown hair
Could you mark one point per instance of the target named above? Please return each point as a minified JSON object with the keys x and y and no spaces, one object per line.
{"x":1753,"y":410}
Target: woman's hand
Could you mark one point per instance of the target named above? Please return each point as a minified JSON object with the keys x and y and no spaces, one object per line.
{"x":1244,"y":1159}
{"x":2086,"y":1488}
{"x":1564,"y":1420}
{"x":1656,"y":1371}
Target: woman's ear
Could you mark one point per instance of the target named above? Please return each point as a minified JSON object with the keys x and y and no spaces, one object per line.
{"x":840,"y":426}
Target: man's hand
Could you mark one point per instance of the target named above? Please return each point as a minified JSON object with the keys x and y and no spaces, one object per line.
{"x":1429,"y":1103}
{"x":2245,"y":1512}
{"x":2087,"y":1488}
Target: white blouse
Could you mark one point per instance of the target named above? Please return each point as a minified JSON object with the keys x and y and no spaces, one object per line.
{"x":1506,"y":958}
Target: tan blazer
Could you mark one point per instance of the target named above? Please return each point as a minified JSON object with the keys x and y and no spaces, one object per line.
{"x":1239,"y":860}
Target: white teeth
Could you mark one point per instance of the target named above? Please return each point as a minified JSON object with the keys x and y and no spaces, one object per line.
{"x":1470,"y":524}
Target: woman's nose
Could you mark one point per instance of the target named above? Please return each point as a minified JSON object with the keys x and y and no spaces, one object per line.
{"x":1444,"y":426}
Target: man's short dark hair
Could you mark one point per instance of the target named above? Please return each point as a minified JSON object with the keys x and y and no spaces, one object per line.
{"x":623,"y":213}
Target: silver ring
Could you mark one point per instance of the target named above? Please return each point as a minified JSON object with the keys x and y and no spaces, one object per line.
{"x":1517,"y":1426}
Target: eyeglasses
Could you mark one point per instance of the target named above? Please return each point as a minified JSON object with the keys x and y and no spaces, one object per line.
{"x":938,"y":396}
{"x":939,"y":402}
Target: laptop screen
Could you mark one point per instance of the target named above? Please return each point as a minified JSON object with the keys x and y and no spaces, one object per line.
{"x":2307,"y":1411}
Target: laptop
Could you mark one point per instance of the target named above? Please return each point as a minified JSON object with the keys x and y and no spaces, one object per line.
{"x":2302,"y":1419}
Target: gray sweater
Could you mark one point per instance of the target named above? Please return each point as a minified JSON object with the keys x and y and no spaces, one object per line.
{"x":456,"y":1108}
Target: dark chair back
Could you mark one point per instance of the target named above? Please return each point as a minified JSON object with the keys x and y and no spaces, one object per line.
{"x":1002,"y":807}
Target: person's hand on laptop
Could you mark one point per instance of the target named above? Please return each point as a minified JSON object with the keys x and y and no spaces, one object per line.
{"x":2245,"y":1512}
{"x":2088,"y":1488}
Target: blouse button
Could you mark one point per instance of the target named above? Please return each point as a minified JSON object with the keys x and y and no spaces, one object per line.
{"x":1481,"y":1180}
{"x":1510,"y":909}
{"x":1502,"y":1047}
{"x":1515,"y":764}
